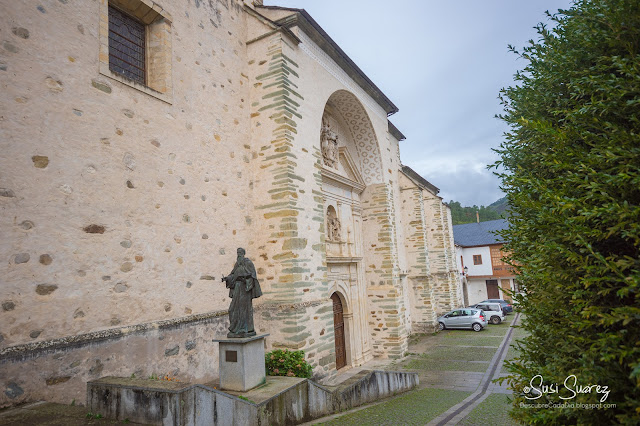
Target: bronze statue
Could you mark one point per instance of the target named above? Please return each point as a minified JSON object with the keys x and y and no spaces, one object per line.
{"x":243,"y":287}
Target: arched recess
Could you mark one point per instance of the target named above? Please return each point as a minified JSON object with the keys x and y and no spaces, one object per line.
{"x":362,"y":134}
{"x":333,"y":226}
{"x":350,"y":162}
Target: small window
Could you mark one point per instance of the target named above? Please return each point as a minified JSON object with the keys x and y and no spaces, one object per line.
{"x":135,"y":46}
{"x":477,"y":259}
{"x":126,"y":46}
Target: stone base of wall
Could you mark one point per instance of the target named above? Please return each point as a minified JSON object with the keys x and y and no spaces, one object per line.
{"x":281,"y":401}
{"x":58,"y":370}
{"x":424,"y":327}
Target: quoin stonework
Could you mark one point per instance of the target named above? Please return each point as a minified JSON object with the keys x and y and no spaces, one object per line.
{"x":144,"y":142}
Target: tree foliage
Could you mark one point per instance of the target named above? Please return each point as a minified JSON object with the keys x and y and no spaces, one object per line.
{"x":461,"y":214}
{"x":571,"y":162}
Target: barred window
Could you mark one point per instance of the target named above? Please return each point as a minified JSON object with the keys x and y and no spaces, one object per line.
{"x":126,"y":46}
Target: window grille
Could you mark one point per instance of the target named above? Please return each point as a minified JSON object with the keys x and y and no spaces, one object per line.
{"x":126,"y":46}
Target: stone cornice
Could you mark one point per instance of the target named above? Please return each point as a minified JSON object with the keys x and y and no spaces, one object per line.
{"x":275,"y":28}
{"x":395,"y":132}
{"x":339,"y":179}
{"x":419,"y":180}
{"x":340,"y":259}
{"x":310,"y":27}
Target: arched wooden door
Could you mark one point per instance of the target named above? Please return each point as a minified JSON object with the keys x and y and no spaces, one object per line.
{"x":338,"y":330}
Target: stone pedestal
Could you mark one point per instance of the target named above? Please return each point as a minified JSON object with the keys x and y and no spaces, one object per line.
{"x":241,"y":362}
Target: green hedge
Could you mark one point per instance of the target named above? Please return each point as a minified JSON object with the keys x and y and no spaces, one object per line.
{"x":571,"y":170}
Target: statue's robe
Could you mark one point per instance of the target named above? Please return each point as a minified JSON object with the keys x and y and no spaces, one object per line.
{"x":243,"y":287}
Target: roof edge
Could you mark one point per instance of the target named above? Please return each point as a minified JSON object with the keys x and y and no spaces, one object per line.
{"x":395,"y":132}
{"x":307,"y":24}
{"x":414,"y":176}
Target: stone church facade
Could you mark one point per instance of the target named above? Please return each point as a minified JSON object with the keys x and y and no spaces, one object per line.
{"x":126,"y":189}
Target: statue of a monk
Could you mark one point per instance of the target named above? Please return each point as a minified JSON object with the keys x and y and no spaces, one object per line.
{"x":243,"y":287}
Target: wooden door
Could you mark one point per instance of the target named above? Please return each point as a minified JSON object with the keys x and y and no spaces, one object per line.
{"x":338,"y":330}
{"x":492,"y":289}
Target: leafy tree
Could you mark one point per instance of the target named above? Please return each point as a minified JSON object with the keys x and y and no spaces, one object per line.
{"x":571,"y":162}
{"x":460,"y":214}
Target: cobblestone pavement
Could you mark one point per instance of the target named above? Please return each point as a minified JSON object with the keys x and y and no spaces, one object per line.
{"x":456,"y":369}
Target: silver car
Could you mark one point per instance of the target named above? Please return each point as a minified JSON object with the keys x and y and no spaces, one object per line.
{"x":469,"y":318}
{"x":493,"y":311}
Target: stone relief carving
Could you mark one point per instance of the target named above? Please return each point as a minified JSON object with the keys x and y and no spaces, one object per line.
{"x":334,"y":228}
{"x":329,"y":145}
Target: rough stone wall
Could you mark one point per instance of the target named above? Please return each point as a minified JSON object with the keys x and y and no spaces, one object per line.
{"x":119,"y":208}
{"x":401,"y":229}
{"x":308,"y":319}
{"x":59,"y":373}
{"x":439,"y":258}
{"x":386,"y":298}
{"x":122,"y":206}
{"x":289,"y":207}
{"x":456,"y":297}
{"x":414,"y":220}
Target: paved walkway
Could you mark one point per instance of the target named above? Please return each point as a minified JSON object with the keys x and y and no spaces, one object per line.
{"x":456,"y":369}
{"x":458,"y":412}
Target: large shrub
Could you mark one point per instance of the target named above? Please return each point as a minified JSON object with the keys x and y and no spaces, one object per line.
{"x":283,"y":362}
{"x":572,"y":176}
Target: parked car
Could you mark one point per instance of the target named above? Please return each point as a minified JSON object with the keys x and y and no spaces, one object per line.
{"x":474,"y":319}
{"x":507,"y":308}
{"x":493,"y":311}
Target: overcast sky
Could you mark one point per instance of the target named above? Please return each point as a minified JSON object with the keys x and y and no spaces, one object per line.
{"x":442,"y":63}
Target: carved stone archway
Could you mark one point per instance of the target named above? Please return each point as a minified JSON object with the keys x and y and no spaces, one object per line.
{"x":359,"y":125}
{"x":351,"y":162}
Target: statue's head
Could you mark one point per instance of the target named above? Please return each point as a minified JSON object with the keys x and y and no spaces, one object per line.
{"x":241,"y":252}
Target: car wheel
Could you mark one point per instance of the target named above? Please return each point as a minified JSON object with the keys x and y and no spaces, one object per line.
{"x":495,"y":320}
{"x":476,"y":327}
{"x":441,"y":326}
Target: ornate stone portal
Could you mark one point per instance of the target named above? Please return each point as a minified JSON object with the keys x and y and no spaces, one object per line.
{"x":342,"y":186}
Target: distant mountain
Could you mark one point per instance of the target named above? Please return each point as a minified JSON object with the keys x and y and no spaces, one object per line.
{"x":461,"y":214}
{"x":501,"y":206}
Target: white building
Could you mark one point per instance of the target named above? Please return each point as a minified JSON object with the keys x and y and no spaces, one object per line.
{"x":479,"y":250}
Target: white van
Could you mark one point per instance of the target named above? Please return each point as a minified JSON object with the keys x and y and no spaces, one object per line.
{"x":493,"y":311}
